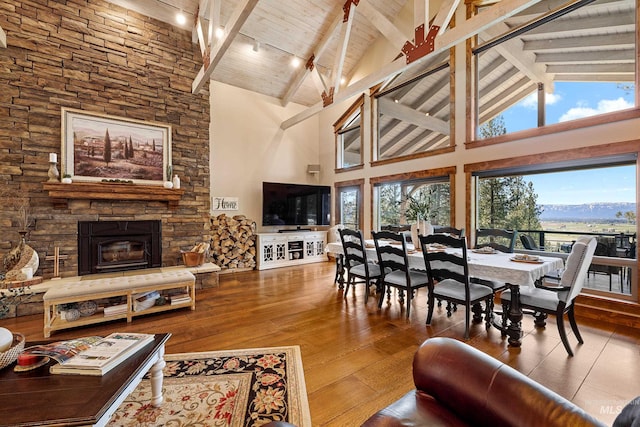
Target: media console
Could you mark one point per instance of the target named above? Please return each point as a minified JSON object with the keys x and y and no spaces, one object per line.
{"x":291,"y":248}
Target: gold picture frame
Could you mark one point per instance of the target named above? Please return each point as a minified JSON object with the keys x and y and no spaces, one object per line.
{"x":98,"y":147}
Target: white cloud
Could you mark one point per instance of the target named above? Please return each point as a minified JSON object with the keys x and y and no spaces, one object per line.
{"x":531,"y":101}
{"x":604,"y":106}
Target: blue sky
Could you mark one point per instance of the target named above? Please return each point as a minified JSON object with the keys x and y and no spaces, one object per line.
{"x":616,"y":184}
{"x":571,"y":101}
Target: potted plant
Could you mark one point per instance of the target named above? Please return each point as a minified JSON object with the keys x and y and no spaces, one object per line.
{"x":66,"y":179}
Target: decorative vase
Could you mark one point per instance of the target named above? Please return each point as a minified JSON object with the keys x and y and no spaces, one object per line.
{"x":168,"y":184}
{"x":176,"y":181}
{"x":67,"y":180}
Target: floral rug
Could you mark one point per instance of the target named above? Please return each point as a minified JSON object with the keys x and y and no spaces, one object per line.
{"x":223,"y":388}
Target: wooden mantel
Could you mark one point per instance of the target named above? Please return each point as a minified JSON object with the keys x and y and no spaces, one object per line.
{"x":61,"y":193}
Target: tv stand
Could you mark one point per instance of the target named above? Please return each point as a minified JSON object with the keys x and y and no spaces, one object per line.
{"x":294,"y":231}
{"x":290,"y":247}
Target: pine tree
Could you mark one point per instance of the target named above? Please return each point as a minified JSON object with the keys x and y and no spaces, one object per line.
{"x":107,"y":148}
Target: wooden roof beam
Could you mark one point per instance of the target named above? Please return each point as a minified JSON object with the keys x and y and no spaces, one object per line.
{"x":409,"y":115}
{"x":513,"y":51}
{"x":318,"y":50}
{"x":382,"y":24}
{"x":476,"y":24}
{"x":343,"y":44}
{"x":232,"y":28}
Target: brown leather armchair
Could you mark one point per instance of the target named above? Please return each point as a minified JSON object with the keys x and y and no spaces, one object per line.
{"x":458,"y":385}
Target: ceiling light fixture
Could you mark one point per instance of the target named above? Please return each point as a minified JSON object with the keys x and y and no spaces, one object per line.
{"x":180,"y":18}
{"x":219,"y":32}
{"x":295,"y":62}
{"x":256,"y":46}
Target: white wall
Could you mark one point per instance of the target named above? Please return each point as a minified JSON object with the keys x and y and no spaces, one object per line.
{"x":248,"y":147}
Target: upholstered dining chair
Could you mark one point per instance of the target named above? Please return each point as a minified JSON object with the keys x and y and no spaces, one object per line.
{"x":529,"y":243}
{"x":359,"y":268}
{"x":558,"y":300}
{"x":449,"y":278}
{"x":499,"y":239}
{"x":391,"y":249}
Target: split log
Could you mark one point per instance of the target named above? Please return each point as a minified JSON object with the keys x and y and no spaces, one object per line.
{"x":233,"y":241}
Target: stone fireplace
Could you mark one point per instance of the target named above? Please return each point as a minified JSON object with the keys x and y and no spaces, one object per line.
{"x":110,"y":246}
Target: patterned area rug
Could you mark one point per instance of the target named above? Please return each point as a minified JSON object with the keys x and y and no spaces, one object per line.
{"x":223,"y":388}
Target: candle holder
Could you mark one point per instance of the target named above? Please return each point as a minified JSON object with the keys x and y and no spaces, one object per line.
{"x":53,"y":172}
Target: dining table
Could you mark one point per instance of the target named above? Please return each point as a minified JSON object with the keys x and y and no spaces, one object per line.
{"x":514,"y":269}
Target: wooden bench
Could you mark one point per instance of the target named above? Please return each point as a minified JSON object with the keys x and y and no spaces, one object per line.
{"x":125,"y":287}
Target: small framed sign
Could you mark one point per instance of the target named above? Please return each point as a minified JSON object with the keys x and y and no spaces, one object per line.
{"x":224,"y":203}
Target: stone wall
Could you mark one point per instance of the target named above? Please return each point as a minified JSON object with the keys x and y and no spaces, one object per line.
{"x":95,"y":56}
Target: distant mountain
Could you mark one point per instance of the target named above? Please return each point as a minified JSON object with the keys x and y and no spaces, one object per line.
{"x":590,"y":212}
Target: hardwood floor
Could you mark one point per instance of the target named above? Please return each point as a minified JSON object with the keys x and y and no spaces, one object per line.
{"x":357,"y":359}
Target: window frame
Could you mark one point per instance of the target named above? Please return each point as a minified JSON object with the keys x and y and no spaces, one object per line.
{"x":338,"y":186}
{"x":356,"y":108}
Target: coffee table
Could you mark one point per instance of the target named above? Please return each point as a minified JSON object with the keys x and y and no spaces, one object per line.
{"x":39,"y":398}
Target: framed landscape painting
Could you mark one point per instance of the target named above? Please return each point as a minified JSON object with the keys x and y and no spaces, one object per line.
{"x":97,"y":147}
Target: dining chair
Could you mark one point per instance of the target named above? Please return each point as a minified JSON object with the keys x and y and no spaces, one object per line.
{"x":359,"y":269}
{"x":558,"y":299}
{"x":500,"y":240}
{"x":606,"y":249}
{"x":391,"y":249}
{"x":443,"y":229}
{"x":529,"y":243}
{"x":449,"y":280}
{"x":497,"y":238}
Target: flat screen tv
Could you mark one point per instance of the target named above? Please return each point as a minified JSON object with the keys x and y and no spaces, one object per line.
{"x":295,"y":204}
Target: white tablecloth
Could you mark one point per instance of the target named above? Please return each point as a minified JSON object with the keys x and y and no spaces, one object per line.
{"x":498,"y":266}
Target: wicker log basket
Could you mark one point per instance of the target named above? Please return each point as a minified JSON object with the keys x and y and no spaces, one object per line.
{"x":11,"y":355}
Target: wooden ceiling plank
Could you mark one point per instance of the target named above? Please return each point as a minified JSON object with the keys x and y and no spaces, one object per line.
{"x":585,"y":69}
{"x":382,"y":24}
{"x":612,"y":77}
{"x":409,"y":115}
{"x":472,"y":26}
{"x":232,"y":28}
{"x":621,"y":40}
{"x":593,"y":57}
{"x":318,"y":50}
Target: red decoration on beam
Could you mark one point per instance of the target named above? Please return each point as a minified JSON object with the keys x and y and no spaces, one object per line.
{"x":424,"y":45}
{"x":347,"y":7}
{"x":327,"y":99}
{"x":310,"y":65}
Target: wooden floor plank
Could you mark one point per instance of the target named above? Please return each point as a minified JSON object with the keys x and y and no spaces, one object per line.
{"x":357,"y":358}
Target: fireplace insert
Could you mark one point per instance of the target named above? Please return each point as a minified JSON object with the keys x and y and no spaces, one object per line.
{"x":109,"y":246}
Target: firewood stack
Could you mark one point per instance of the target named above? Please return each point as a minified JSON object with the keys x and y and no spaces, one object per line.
{"x":233,"y":242}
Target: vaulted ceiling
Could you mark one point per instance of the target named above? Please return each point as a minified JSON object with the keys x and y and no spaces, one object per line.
{"x":594,"y":42}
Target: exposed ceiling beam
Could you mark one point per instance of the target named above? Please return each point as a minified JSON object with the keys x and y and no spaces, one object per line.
{"x":613,"y":77}
{"x":508,"y":97}
{"x":615,"y":21}
{"x":231,"y":30}
{"x":472,"y":26}
{"x":318,"y":50}
{"x":513,"y":51}
{"x":382,"y":24}
{"x":3,"y":38}
{"x":341,"y":53}
{"x":445,"y":13}
{"x":409,"y":115}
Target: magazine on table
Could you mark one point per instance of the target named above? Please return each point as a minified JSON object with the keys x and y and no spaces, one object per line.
{"x":91,"y":355}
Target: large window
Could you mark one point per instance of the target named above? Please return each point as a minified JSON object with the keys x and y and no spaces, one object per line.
{"x":554,"y":204}
{"x":556,"y":62}
{"x":348,"y":133}
{"x":398,"y":203}
{"x":413,"y":117}
{"x":348,"y":202}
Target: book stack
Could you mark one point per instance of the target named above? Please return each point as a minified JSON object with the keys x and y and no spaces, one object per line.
{"x":179,"y":298}
{"x":145,"y":300}
{"x":115,"y":309}
{"x":89,"y":355}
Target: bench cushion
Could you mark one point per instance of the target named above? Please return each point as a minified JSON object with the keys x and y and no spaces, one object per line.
{"x":108,"y":284}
